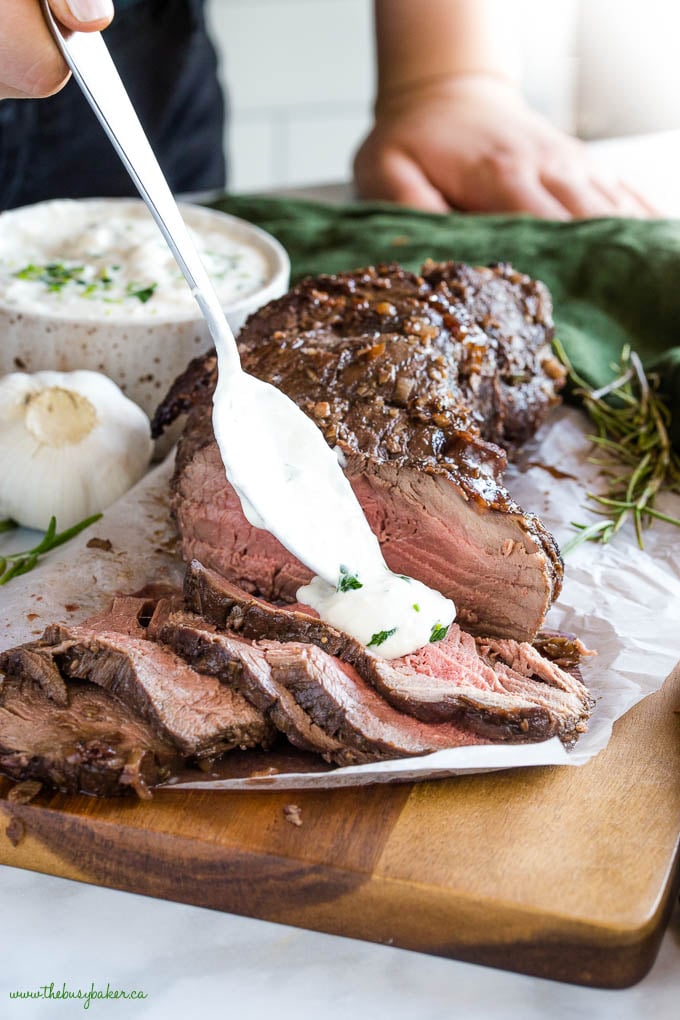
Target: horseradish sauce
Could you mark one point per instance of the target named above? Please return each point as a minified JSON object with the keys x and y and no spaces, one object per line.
{"x":91,"y":260}
{"x":291,"y":484}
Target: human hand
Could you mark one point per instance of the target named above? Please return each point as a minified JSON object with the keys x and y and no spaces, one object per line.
{"x":470,"y":142}
{"x":31,"y":65}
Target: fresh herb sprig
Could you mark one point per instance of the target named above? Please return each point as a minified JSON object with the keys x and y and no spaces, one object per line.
{"x":15,"y":564}
{"x":637,"y":458}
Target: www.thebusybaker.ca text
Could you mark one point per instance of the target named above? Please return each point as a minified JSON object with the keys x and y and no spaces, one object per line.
{"x":86,"y":997}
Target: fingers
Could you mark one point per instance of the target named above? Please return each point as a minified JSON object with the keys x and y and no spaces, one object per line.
{"x":504,"y":182}
{"x":525,"y":193}
{"x":582,"y":198}
{"x":394,"y":176}
{"x":587,"y":197}
{"x":30,"y":63}
{"x":83,"y":15}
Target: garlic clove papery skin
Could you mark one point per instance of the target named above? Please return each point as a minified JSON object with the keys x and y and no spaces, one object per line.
{"x":71,"y":443}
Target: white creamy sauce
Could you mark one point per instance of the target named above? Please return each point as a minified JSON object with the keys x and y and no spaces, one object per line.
{"x":291,"y":484}
{"x":391,"y":614}
{"x":89,"y":260}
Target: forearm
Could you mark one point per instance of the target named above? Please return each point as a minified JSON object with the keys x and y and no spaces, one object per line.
{"x":421,"y":41}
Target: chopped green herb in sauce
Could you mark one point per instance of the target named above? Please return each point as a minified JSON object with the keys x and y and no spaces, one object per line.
{"x":381,"y":637}
{"x":416,"y":607}
{"x":56,"y":275}
{"x":347,"y":581}
{"x":438,"y":633}
{"x":143,"y":293}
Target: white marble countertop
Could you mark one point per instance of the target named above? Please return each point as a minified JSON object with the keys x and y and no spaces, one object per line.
{"x":195,"y":962}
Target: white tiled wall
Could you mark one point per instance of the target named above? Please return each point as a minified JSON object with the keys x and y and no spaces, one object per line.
{"x":300,"y":82}
{"x":300,"y":76}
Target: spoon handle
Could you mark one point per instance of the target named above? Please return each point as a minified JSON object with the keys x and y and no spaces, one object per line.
{"x":88,"y":57}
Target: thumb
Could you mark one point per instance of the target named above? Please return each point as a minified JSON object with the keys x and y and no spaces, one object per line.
{"x":83,"y":15}
{"x":394,"y":176}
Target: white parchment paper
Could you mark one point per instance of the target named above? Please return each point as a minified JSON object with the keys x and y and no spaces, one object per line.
{"x":619,"y":600}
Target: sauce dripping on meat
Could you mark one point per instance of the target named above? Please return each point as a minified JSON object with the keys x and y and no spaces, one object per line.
{"x":290,"y":483}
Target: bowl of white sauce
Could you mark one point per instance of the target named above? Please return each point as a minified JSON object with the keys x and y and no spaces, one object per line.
{"x":90,"y":283}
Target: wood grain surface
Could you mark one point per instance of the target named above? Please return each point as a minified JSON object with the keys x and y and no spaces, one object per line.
{"x":567,"y":873}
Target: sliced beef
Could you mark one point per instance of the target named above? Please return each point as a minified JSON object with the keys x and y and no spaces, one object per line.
{"x":318,"y":701}
{"x":200,"y":716}
{"x":413,"y":379}
{"x":503,"y":690}
{"x":90,"y":744}
{"x":126,"y":614}
{"x":29,"y":663}
{"x":243,"y":666}
{"x":334,"y":695}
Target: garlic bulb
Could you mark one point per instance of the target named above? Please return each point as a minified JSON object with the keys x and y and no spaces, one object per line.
{"x":71,"y":443}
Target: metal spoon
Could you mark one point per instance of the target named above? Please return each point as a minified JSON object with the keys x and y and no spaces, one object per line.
{"x":298,"y":491}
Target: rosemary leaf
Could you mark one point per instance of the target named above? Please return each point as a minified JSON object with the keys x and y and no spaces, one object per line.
{"x":15,"y":564}
{"x":632,"y":423}
{"x":586,"y":534}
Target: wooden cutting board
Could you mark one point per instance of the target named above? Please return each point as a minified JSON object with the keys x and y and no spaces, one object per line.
{"x":567,"y":873}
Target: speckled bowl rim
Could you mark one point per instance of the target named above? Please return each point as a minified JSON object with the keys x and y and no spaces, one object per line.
{"x":242,"y":230}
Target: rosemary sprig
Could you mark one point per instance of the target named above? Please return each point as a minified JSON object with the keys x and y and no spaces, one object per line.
{"x":637,"y":457}
{"x":15,"y":564}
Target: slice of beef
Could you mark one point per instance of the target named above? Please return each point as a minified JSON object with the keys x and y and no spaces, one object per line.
{"x":28,"y":662}
{"x":126,"y":614}
{"x":243,"y":666}
{"x":503,"y":690}
{"x":200,"y":716}
{"x":318,"y":701}
{"x":90,"y":744}
{"x":400,"y":376}
{"x":334,"y":695}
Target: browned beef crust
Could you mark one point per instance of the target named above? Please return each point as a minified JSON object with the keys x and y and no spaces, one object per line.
{"x":477,"y":342}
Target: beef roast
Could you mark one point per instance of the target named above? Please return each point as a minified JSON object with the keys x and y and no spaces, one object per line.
{"x":90,"y":744}
{"x":501,"y":690}
{"x":197,"y":714}
{"x":414,"y":379}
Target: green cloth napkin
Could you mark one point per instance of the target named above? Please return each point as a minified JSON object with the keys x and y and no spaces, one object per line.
{"x":612,"y":281}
